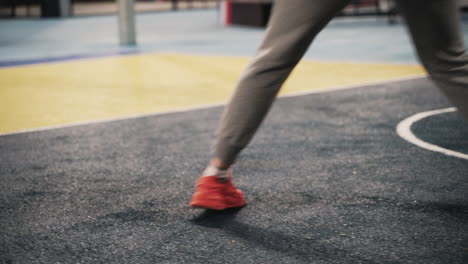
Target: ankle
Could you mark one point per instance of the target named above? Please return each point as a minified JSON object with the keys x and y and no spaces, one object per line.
{"x":219,"y":164}
{"x":213,"y":171}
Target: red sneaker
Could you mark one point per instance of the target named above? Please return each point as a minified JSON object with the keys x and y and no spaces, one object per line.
{"x":233,"y":197}
{"x":213,"y":193}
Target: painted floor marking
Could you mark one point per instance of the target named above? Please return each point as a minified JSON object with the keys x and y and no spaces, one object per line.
{"x":207,"y":106}
{"x":55,"y":94}
{"x":404,"y":131}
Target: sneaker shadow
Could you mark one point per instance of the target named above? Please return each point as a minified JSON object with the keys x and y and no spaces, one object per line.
{"x":215,"y":218}
{"x":303,"y":249}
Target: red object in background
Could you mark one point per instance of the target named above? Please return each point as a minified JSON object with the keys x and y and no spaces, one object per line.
{"x":228,"y":13}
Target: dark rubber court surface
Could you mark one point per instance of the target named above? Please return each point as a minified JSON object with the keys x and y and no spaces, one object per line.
{"x":327,"y":180}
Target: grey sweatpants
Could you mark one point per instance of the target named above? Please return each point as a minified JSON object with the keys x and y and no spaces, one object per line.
{"x":434,"y":26}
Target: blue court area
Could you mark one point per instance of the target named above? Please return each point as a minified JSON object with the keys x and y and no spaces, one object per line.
{"x":345,"y":39}
{"x":327,"y":178}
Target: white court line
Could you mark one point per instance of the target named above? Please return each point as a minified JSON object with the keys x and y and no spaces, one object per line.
{"x":404,"y":130}
{"x":188,"y":109}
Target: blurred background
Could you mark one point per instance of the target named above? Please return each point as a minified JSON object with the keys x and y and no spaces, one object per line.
{"x":168,"y":54}
{"x":73,"y":8}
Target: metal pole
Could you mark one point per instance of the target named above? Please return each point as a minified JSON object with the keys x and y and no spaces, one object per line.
{"x":127,"y":32}
{"x":65,"y":8}
{"x":175,"y":4}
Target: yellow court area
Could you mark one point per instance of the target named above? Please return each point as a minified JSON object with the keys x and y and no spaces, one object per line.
{"x":62,"y":93}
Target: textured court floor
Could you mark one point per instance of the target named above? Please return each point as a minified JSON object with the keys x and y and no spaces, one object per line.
{"x":327,"y":181}
{"x":327,"y":178}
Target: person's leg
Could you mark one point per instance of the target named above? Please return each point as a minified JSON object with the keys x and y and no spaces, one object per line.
{"x":436,"y":32}
{"x":292,"y":27}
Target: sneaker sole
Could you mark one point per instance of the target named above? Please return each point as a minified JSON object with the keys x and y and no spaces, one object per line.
{"x":206,"y":204}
